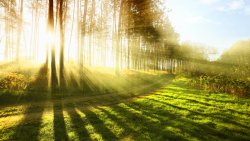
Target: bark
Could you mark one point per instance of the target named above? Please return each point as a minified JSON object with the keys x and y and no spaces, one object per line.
{"x":54,"y":81}
{"x":61,"y":27}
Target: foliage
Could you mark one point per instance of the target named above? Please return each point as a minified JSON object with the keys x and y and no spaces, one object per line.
{"x":230,"y":74}
{"x":238,"y":54}
{"x":14,"y":81}
{"x":190,"y":52}
{"x":221,"y":83}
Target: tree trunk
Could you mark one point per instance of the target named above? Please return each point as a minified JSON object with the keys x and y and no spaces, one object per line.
{"x":7,"y":31}
{"x":54,"y":81}
{"x":20,"y":26}
{"x":83,"y":33}
{"x":61,"y":27}
{"x":119,"y":44}
{"x":114,"y":32}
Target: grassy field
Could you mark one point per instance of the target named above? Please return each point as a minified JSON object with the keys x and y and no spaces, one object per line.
{"x":174,"y":112}
{"x":22,"y":84}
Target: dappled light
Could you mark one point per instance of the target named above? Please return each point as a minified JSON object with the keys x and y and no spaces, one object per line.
{"x":129,"y":70}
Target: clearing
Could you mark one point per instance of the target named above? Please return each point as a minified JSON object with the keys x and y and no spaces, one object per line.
{"x":176,"y":111}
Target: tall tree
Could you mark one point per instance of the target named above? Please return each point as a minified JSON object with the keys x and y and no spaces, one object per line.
{"x":54,"y":81}
{"x":7,"y":29}
{"x":91,"y":32}
{"x":118,"y":39}
{"x":62,"y":8}
{"x":78,"y":28}
{"x":114,"y":30}
{"x":20,"y":27}
{"x":83,"y":32}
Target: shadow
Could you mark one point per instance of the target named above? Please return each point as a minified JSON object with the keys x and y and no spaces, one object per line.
{"x":200,"y":95}
{"x":202,"y":104}
{"x":119,"y":121}
{"x":187,"y":126}
{"x":197,"y":93}
{"x":30,"y":126}
{"x":73,"y":81}
{"x":78,"y":124}
{"x":217,"y":116}
{"x":80,"y":83}
{"x":60,"y":133}
{"x":37,"y":90}
{"x":40,"y":84}
{"x":144,"y":128}
{"x":99,"y":126}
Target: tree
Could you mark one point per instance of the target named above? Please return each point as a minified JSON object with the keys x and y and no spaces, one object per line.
{"x":62,"y":8}
{"x":83,"y":32}
{"x":20,"y":27}
{"x":54,"y":81}
{"x":118,"y":39}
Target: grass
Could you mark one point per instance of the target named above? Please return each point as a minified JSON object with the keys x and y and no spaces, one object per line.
{"x":174,"y":112}
{"x":31,"y":83}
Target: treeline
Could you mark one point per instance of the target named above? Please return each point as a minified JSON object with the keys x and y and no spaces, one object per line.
{"x":230,"y":73}
{"x":123,"y":34}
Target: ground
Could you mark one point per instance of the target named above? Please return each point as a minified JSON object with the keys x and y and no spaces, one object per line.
{"x":176,"y":111}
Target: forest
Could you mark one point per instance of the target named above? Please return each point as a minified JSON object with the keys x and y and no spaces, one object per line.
{"x":115,"y":70}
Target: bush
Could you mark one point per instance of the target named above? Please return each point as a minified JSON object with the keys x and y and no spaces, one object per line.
{"x":222,"y":83}
{"x":14,"y":81}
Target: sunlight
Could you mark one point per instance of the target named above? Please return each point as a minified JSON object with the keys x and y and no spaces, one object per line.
{"x":94,"y":135}
{"x":124,"y":70}
{"x":109,"y":123}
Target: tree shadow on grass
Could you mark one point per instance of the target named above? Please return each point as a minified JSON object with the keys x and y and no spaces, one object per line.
{"x":202,"y":104}
{"x":99,"y":126}
{"x":191,"y":126}
{"x":169,"y":125}
{"x":141,"y":126}
{"x":29,"y":126}
{"x":78,"y":124}
{"x":218,"y":116}
{"x":60,"y":133}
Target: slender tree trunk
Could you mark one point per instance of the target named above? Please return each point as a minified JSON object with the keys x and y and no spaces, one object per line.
{"x":83,"y":33}
{"x":7,"y":31}
{"x":128,"y":34}
{"x":91,"y":33}
{"x":54,"y":81}
{"x":119,"y":44}
{"x":61,"y":27}
{"x":71,"y":31}
{"x":114,"y":32}
{"x":78,"y":14}
{"x":20,"y":27}
{"x":47,"y":43}
{"x":36,"y":32}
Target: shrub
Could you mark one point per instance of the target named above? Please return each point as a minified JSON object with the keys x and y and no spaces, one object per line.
{"x":13,"y":81}
{"x":221,"y":83}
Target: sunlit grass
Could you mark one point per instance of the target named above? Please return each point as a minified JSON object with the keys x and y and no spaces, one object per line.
{"x":31,"y":82}
{"x":175,"y":112}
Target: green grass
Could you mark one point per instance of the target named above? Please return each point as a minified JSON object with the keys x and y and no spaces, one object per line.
{"x":174,"y":112}
{"x":31,"y":83}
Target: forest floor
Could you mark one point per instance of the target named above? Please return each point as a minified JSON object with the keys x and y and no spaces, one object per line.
{"x":175,"y":111}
